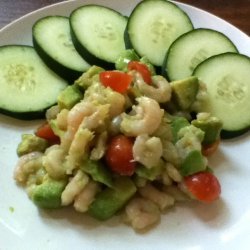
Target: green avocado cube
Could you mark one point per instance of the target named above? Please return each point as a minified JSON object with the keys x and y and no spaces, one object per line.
{"x":125,"y":57}
{"x":193,"y":163}
{"x":177,"y":123}
{"x":185,"y":92}
{"x":48,"y":194}
{"x":210,"y":125}
{"x":111,"y":200}
{"x":98,"y":172}
{"x":87,"y":78}
{"x":31,"y":143}
{"x":69,"y":97}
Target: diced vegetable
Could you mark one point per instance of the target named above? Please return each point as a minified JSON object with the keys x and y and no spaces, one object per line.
{"x":125,"y":57}
{"x":142,"y":69}
{"x":98,"y":172}
{"x":204,"y":186}
{"x":119,"y":155}
{"x":111,"y":200}
{"x":48,"y":194}
{"x":177,"y":123}
{"x":117,"y":81}
{"x":69,"y":97}
{"x":185,"y":92}
{"x":209,"y":149}
{"x":46,"y":132}
{"x":193,"y":163}
{"x":210,"y":125}
{"x":31,"y":143}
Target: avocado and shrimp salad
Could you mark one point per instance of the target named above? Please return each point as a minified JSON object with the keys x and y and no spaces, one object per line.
{"x":111,"y":143}
{"x":134,"y":106}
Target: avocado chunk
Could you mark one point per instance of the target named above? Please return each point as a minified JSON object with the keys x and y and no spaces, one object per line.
{"x":125,"y":57}
{"x":111,"y":200}
{"x":210,"y":125}
{"x":69,"y":97}
{"x":57,"y":131}
{"x":31,"y":143}
{"x":193,"y":163}
{"x":98,"y":172}
{"x":185,"y":92}
{"x":48,"y":194}
{"x":177,"y":123}
{"x":87,"y":78}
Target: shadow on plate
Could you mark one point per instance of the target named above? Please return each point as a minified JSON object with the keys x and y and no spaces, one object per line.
{"x":78,"y":219}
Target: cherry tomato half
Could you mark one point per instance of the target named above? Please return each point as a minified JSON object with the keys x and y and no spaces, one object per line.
{"x":142,"y":69}
{"x":119,"y":155}
{"x":47,"y":133}
{"x":116,"y":80}
{"x":209,"y":149}
{"x":204,"y":186}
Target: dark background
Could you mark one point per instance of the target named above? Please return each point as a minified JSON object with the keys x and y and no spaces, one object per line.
{"x":237,"y":12}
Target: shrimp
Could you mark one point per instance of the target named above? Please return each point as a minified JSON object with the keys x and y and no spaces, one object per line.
{"x":176,"y":192}
{"x":27,"y":165}
{"x":86,"y":197}
{"x":146,"y":120}
{"x":99,"y":94}
{"x":147,"y":150}
{"x":159,"y":90}
{"x":173,"y":173}
{"x":52,"y":112}
{"x":97,"y":119}
{"x":142,"y":213}
{"x":74,"y":187}
{"x":53,"y":161}
{"x":77,"y":114}
{"x":90,"y":116}
{"x":78,"y":149}
{"x":74,"y":119}
{"x":99,"y":150}
{"x":62,"y":119}
{"x":161,"y":199}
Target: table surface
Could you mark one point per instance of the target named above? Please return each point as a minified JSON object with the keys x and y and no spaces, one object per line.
{"x":237,"y":12}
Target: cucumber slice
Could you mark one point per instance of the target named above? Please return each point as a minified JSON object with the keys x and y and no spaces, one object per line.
{"x":27,"y":86}
{"x":227,"y":77}
{"x":52,"y":41}
{"x":152,"y":26}
{"x":191,"y":48}
{"x":97,"y":34}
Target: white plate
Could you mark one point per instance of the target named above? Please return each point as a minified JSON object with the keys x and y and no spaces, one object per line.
{"x":222,"y":225}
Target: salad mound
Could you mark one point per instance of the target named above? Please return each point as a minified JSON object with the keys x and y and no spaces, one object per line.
{"x":122,"y":140}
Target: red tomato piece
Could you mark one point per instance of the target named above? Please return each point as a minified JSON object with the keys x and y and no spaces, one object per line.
{"x":142,"y":69}
{"x":119,"y":155}
{"x":204,"y":186}
{"x":209,"y":149}
{"x":47,"y":133}
{"x":116,"y":80}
